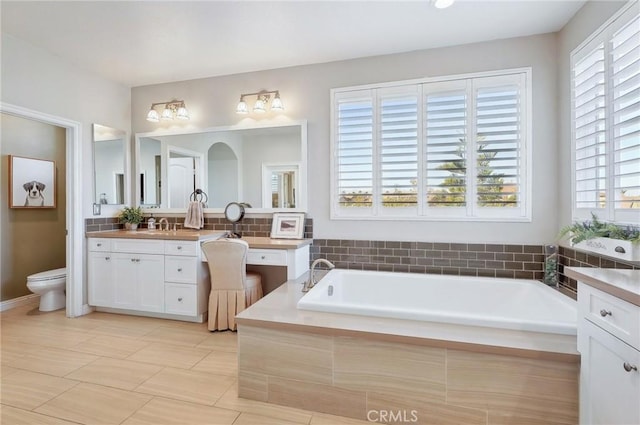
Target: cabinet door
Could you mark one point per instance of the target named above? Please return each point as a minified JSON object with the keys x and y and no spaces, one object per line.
{"x":609,"y":393}
{"x":100,"y":285}
{"x":125,"y":276}
{"x":150,"y":278}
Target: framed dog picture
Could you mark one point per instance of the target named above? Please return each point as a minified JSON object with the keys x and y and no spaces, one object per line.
{"x":287,"y":226}
{"x":32,"y":183}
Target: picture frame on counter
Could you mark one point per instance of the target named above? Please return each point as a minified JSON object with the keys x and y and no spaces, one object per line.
{"x":287,"y":226}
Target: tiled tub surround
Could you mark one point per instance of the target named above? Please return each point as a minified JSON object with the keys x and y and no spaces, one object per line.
{"x":437,"y":373}
{"x":485,"y":260}
{"x":570,"y":257}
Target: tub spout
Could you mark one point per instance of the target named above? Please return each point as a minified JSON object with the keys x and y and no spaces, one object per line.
{"x":311,"y":282}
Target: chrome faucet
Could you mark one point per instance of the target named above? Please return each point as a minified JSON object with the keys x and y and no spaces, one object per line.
{"x":166,"y":223}
{"x":311,"y":282}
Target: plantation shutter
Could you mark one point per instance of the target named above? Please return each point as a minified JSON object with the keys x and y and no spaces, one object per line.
{"x":589,"y":129}
{"x":398,"y":152}
{"x":355,"y":152}
{"x":445,"y":147}
{"x":497,"y":145}
{"x":625,"y":70}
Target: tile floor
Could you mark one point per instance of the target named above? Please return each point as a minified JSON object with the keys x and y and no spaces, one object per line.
{"x":115,"y":369}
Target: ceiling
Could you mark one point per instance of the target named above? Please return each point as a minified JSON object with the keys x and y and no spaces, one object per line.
{"x":147,"y":42}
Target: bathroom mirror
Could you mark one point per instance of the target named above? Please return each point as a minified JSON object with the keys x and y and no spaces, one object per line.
{"x":264,"y":166}
{"x":110,"y":178}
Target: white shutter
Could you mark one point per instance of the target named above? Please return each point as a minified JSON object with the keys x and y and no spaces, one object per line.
{"x":625,"y":94}
{"x":497,"y":146}
{"x":445,"y":149}
{"x":589,"y":130}
{"x":354,"y":154}
{"x":398,"y":150}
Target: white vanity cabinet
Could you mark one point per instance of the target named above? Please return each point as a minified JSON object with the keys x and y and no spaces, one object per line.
{"x":165,"y":278}
{"x":609,"y":344}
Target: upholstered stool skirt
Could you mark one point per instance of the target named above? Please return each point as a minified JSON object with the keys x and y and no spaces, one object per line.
{"x":225,"y":304}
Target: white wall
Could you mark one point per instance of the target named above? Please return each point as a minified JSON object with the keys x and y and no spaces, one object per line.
{"x":588,"y":19}
{"x":35,"y":79}
{"x":305,"y":94}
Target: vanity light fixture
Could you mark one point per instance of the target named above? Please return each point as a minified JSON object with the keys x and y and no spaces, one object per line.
{"x":172,"y":110}
{"x":262,"y":100}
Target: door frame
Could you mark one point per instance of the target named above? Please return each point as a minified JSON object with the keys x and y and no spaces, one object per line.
{"x":74,"y":215}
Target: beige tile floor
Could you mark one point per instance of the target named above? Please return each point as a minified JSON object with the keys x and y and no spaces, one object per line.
{"x":115,"y":369}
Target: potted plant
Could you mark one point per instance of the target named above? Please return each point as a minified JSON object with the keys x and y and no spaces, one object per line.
{"x":622,"y":242}
{"x":131,"y":217}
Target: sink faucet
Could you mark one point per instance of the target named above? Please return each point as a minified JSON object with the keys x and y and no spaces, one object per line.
{"x":166,"y":223}
{"x":311,"y":282}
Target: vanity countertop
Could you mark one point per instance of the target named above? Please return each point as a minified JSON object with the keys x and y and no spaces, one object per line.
{"x":181,"y":235}
{"x":621,"y":283}
{"x":199,"y":235}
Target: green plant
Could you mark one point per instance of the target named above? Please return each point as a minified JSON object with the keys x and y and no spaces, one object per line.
{"x":131,"y":215}
{"x":597,"y":229}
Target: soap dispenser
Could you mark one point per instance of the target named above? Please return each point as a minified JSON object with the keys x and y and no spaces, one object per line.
{"x":151,"y":223}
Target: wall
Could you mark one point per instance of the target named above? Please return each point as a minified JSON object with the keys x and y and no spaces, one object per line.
{"x":305,"y":94}
{"x":32,"y":240}
{"x":38,"y":80}
{"x":35,"y":79}
{"x":587,"y":20}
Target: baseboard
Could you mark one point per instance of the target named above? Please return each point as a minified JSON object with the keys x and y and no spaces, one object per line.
{"x":20,"y":301}
{"x":86,"y":309}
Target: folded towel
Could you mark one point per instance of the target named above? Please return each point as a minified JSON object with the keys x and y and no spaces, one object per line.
{"x":195,"y":216}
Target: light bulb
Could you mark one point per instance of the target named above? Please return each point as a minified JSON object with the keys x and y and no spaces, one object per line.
{"x":153,"y":116}
{"x":442,"y":4}
{"x":167,"y":114}
{"x":276,"y":104}
{"x":182,"y":113}
{"x":242,"y":107}
{"x":259,"y":106}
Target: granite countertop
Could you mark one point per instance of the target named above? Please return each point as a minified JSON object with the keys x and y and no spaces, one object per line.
{"x":278,"y":310}
{"x":199,"y":235}
{"x":621,"y":283}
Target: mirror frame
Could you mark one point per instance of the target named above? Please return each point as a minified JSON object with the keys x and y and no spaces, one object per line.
{"x":126,"y":165}
{"x":302,"y":179}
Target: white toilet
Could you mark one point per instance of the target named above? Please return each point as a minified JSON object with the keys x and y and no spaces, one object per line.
{"x":50,"y":285}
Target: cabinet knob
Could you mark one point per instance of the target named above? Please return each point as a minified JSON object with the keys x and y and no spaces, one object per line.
{"x":107,"y":258}
{"x":629,"y":367}
{"x":179,"y":248}
{"x":98,"y":244}
{"x":180,"y":300}
{"x":133,"y":260}
{"x":179,"y":270}
{"x":605,"y":313}
{"x":263,"y":257}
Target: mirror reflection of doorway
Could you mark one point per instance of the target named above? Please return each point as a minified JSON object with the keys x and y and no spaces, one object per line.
{"x":182,"y":178}
{"x":223,"y":175}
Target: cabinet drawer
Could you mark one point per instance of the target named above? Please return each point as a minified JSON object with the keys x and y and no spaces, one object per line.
{"x":99,"y":244}
{"x":620,"y":318}
{"x":188,"y":248}
{"x":137,"y":246}
{"x":180,"y":269}
{"x":180,"y":299}
{"x":268,"y":257}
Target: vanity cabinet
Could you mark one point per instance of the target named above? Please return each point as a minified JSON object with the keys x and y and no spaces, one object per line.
{"x":609,"y":344}
{"x":162,"y":277}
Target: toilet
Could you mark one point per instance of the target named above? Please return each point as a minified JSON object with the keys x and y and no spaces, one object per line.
{"x":50,"y":285}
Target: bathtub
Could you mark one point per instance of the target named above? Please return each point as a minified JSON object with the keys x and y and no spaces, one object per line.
{"x":517,"y":304}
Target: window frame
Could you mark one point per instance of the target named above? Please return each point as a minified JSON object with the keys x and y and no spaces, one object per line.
{"x":422,"y":212}
{"x":603,"y":35}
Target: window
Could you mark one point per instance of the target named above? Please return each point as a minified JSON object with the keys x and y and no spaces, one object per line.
{"x":606,"y":122}
{"x":446,"y":149}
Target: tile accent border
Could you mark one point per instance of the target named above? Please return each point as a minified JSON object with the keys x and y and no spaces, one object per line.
{"x":255,"y":227}
{"x":570,"y":257}
{"x":484,"y":260}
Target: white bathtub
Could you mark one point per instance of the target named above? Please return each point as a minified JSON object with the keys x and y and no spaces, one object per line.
{"x":494,"y":302}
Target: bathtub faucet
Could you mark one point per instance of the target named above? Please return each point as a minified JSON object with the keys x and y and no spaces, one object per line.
{"x":311,"y":282}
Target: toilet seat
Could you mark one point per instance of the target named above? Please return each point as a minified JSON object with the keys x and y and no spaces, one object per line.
{"x":48,"y":275}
